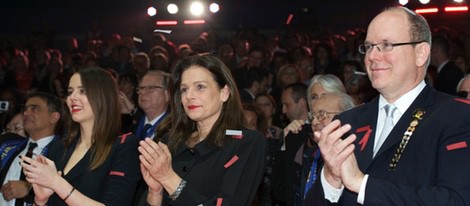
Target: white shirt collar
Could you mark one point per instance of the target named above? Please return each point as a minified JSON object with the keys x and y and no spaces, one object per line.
{"x":404,"y":101}
{"x":154,"y":120}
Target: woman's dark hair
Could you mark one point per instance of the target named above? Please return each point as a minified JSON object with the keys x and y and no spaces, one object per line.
{"x":102,"y":93}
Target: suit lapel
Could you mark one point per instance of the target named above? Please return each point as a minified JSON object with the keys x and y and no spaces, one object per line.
{"x":425,"y":99}
{"x":80,"y":168}
{"x":365,"y":127}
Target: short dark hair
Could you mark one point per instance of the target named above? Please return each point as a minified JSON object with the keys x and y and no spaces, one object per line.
{"x":54,"y":104}
{"x":299,"y":91}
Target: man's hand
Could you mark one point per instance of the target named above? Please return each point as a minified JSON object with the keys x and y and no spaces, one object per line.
{"x":294,"y":127}
{"x":15,"y":189}
{"x":334,"y":150}
{"x":351,"y":175}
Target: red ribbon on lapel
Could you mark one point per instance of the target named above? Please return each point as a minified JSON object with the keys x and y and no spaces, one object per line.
{"x":124,"y":136}
{"x":364,"y":139}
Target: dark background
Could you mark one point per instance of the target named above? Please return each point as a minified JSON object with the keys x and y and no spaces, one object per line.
{"x":128,"y":17}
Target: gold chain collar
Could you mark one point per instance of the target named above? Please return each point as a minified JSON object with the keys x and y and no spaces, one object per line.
{"x":417,"y":115}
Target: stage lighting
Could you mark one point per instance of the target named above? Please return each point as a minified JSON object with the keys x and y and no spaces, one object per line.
{"x":214,"y":7}
{"x":403,"y":2}
{"x":458,"y":1}
{"x":424,"y":1}
{"x":172,"y":8}
{"x":196,"y":8}
{"x":151,"y":11}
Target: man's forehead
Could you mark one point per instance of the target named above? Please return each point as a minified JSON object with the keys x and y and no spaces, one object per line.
{"x":152,"y":78}
{"x":35,"y":101}
{"x":388,"y":25}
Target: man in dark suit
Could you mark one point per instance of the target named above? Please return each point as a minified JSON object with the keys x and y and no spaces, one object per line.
{"x":424,"y":160}
{"x":42,"y":115}
{"x":448,"y":74}
{"x":154,"y":100}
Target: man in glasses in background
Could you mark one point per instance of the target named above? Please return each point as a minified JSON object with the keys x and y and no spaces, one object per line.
{"x":154,"y":98}
{"x":410,"y":145}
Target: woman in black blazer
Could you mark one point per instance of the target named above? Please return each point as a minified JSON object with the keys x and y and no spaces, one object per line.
{"x":211,"y":159}
{"x":92,"y":166}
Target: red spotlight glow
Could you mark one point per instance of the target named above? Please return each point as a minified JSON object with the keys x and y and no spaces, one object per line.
{"x":199,"y":21}
{"x":427,"y":10}
{"x":455,"y":8}
{"x":166,"y":23}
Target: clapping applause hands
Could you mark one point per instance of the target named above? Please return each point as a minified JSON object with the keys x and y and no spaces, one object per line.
{"x":156,"y":168}
{"x":338,"y":154}
{"x":42,"y":174}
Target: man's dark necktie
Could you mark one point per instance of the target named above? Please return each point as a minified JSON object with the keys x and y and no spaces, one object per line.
{"x":29,"y":154}
{"x":145,"y":130}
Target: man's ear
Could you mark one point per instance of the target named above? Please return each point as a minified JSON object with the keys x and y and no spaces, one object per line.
{"x":423,"y":51}
{"x":55,"y":117}
{"x":224,"y":93}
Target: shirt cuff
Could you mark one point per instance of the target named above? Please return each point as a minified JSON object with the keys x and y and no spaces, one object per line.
{"x":362,"y":190}
{"x":331,"y":193}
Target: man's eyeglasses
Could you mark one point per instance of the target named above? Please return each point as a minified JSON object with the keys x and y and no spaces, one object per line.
{"x":151,"y":88}
{"x":383,"y":46}
{"x":463,"y":94}
{"x":322,"y":115}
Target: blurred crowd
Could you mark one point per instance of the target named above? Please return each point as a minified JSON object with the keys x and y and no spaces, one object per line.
{"x":263,"y":66}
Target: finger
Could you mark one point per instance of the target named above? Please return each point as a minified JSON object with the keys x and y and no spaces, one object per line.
{"x":347,"y":151}
{"x":146,"y":147}
{"x":144,"y":155}
{"x":145,"y":162}
{"x":151,"y":145}
{"x":165,"y":149}
{"x":334,"y":135}
{"x":159,"y":150}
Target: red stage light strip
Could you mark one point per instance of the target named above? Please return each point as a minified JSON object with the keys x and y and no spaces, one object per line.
{"x":289,"y":19}
{"x":455,"y":8}
{"x":166,"y":23}
{"x":199,"y":21}
{"x":427,"y":10}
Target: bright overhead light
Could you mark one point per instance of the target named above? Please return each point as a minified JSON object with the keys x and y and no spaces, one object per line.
{"x":424,"y":1}
{"x":196,"y":8}
{"x":151,"y":11}
{"x":458,"y":1}
{"x":172,"y":8}
{"x":214,"y":7}
{"x":403,"y":2}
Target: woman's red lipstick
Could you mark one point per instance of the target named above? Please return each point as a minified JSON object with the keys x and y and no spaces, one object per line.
{"x":192,"y":107}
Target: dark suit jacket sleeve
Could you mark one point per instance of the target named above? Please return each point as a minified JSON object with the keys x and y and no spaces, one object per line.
{"x":124,"y":172}
{"x":241,"y":179}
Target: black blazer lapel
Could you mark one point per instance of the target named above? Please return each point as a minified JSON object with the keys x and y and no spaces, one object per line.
{"x":365,"y":123}
{"x":425,"y":99}
{"x":80,"y":168}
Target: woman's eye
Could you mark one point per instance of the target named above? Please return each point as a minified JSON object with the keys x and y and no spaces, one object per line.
{"x":183,"y":90}
{"x":200,"y":86}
